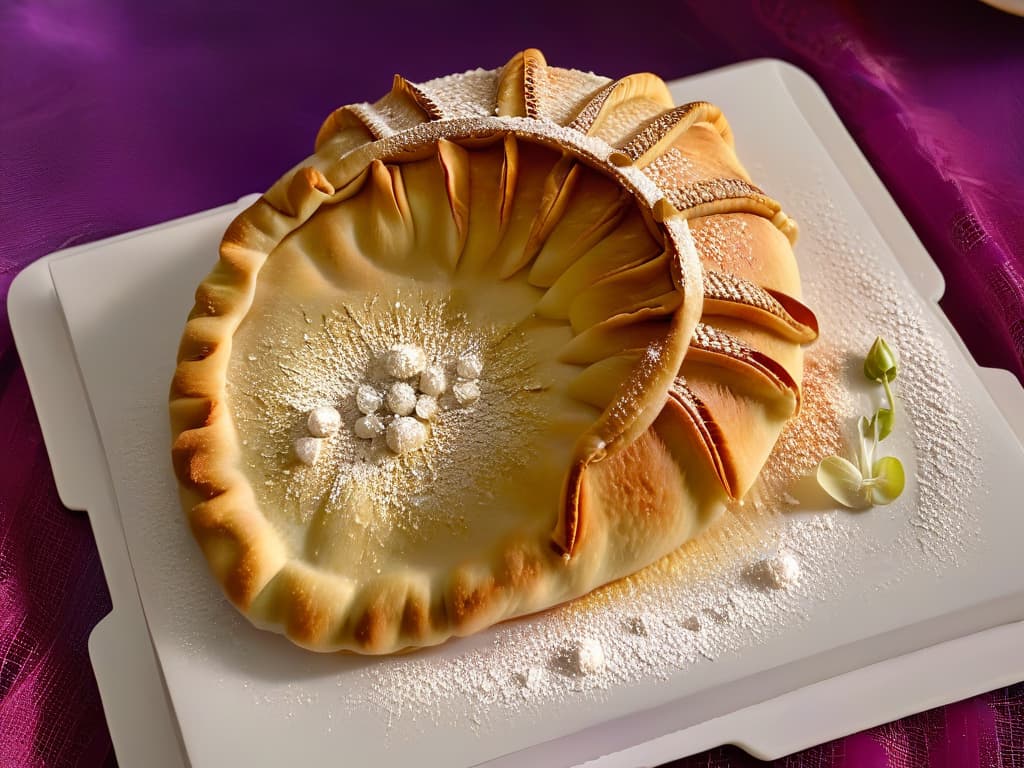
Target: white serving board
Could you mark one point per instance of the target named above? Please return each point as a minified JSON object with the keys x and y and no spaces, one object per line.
{"x":124,"y":302}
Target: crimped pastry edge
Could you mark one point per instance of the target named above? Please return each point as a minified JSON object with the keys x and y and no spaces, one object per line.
{"x":317,"y":609}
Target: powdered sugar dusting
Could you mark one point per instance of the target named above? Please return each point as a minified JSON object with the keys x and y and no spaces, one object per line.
{"x":724,"y":241}
{"x":768,"y":562}
{"x":708,"y":599}
{"x":467,"y":94}
{"x":395,"y":472}
{"x":673,"y":168}
{"x":695,"y":605}
{"x":944,"y":431}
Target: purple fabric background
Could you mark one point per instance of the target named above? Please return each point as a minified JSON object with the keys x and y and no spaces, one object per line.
{"x":116,"y":114}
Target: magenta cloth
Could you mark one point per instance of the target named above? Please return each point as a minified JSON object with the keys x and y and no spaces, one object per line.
{"x":119,"y":114}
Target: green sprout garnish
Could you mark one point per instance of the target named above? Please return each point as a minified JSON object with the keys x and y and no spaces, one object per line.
{"x":881,"y":362}
{"x":880,"y":366}
{"x":870,"y":481}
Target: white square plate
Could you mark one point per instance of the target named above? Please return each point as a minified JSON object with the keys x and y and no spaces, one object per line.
{"x":236,"y":695}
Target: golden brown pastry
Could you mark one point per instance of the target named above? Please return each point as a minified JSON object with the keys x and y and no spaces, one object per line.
{"x":504,"y":337}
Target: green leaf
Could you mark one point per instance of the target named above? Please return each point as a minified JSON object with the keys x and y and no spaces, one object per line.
{"x":885,"y":419}
{"x":842,"y":481}
{"x":888,"y":481}
{"x":880,"y":364}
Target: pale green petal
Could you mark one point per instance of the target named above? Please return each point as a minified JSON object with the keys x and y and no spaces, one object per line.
{"x":889,"y":480}
{"x":885,"y":419}
{"x":842,"y":481}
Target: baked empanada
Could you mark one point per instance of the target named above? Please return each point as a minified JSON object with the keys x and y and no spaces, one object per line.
{"x":504,"y":337}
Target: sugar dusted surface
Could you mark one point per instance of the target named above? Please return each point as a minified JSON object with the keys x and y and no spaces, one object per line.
{"x":709,"y":598}
{"x":510,"y":680}
{"x":702,"y":602}
{"x":391,"y":486}
{"x":706,"y":600}
{"x":467,"y":94}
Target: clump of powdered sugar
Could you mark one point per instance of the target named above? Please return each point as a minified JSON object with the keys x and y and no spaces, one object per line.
{"x":778,"y":571}
{"x":308,"y":449}
{"x":403,"y":361}
{"x":323,"y":421}
{"x":405,"y":434}
{"x":587,"y":656}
